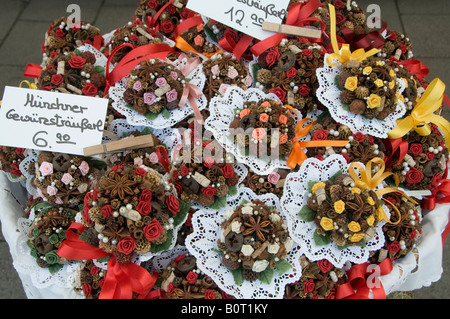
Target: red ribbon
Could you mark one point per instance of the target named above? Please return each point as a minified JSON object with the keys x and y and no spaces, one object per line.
{"x":187,"y":24}
{"x":151,"y":21}
{"x":163,"y":157}
{"x":372,"y":40}
{"x":32,"y":71}
{"x":358,"y":279}
{"x":299,"y":15}
{"x":417,"y":68}
{"x":228,"y":44}
{"x":439,"y":195}
{"x":121,"y":279}
{"x":133,"y":58}
{"x":393,"y":145}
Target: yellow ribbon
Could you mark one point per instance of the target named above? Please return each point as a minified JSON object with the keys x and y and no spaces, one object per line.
{"x":181,"y":44}
{"x":30,"y":85}
{"x":422,"y":114}
{"x":298,"y":156}
{"x":346,"y":55}
{"x":368,"y":181}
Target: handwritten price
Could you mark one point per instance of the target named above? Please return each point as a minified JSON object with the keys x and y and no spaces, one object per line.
{"x":40,"y":139}
{"x":239,"y":15}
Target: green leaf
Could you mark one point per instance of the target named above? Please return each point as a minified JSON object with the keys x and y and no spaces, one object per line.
{"x":54,"y":268}
{"x":165,"y":113}
{"x":345,"y":106}
{"x":42,"y":205}
{"x":77,"y":52}
{"x":210,"y":33}
{"x":321,"y":240}
{"x":238,"y":277}
{"x":151,"y":116}
{"x":282,"y":266}
{"x":336,"y":82}
{"x":310,"y":185}
{"x":181,"y":215}
{"x":266,"y":276}
{"x":146,"y":131}
{"x":104,"y":259}
{"x":332,"y":178}
{"x":307,"y":214}
{"x":219,"y":203}
{"x":165,"y":245}
{"x":232,"y":190}
{"x":100,"y":69}
{"x":98,"y":164}
{"x":244,"y":201}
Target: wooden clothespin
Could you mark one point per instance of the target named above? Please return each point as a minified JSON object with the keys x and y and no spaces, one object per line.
{"x":292,"y":30}
{"x":126,"y":143}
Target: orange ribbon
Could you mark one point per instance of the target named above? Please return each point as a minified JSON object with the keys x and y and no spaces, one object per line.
{"x":181,"y":44}
{"x":298,"y":156}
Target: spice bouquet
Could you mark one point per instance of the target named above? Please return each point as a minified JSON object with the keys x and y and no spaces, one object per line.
{"x":289,"y":167}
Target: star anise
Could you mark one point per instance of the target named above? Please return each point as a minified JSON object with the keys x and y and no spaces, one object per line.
{"x":116,"y":232}
{"x":256,"y":226}
{"x":119,"y":186}
{"x":362,"y":153}
{"x":356,"y":208}
{"x":290,"y":292}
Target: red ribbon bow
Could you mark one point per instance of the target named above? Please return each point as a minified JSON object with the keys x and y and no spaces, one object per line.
{"x":121,"y":279}
{"x":133,"y":58}
{"x":362,"y":279}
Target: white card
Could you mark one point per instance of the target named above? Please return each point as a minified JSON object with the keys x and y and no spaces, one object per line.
{"x":246,"y":16}
{"x":51,"y":121}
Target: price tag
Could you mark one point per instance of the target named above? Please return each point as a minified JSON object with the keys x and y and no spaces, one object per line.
{"x":51,"y":121}
{"x":246,"y":16}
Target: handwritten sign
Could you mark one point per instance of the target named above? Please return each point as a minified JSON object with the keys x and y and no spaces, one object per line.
{"x":50,"y":121}
{"x":246,"y":16}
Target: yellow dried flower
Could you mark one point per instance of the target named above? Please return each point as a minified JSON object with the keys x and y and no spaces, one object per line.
{"x":351,"y":83}
{"x":356,"y":237}
{"x":354,"y":226}
{"x":370,"y":220}
{"x":339,"y":206}
{"x":374,"y":101}
{"x":316,"y":186}
{"x":326,"y":223}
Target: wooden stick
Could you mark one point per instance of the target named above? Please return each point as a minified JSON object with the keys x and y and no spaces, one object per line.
{"x":127,"y":143}
{"x":292,"y":30}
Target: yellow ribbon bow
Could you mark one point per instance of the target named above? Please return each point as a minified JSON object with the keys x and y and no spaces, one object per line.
{"x":346,"y":55}
{"x":30,"y":85}
{"x":422,"y":114}
{"x":366,"y":180}
{"x":298,"y":156}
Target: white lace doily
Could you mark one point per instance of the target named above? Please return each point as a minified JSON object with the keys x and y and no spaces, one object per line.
{"x":222,"y":113}
{"x":197,"y":78}
{"x":295,"y":196}
{"x":202,"y":244}
{"x":26,"y":264}
{"x":31,"y":157}
{"x":159,"y":263}
{"x":328,"y":94}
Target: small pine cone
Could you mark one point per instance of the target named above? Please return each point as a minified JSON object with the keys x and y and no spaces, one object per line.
{"x":41,"y":263}
{"x":161,"y":238}
{"x":143,"y":246}
{"x":348,"y":24}
{"x":95,"y":213}
{"x":249,"y":274}
{"x":206,"y":201}
{"x":359,"y":18}
{"x":361,"y":92}
{"x":222,"y":190}
{"x":98,"y":80}
{"x":264,"y":76}
{"x":347,"y":96}
{"x":229,"y":263}
{"x":122,"y":258}
{"x":156,"y":107}
{"x":89,"y":57}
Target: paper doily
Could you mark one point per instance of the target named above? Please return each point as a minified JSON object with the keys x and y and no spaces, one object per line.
{"x":26,"y":264}
{"x":222,"y":113}
{"x":197,"y":78}
{"x":202,"y":244}
{"x":328,"y":94}
{"x":295,"y":196}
